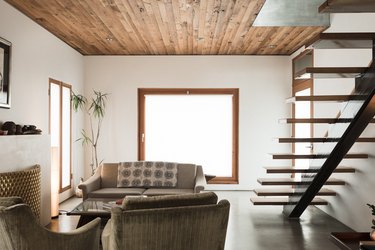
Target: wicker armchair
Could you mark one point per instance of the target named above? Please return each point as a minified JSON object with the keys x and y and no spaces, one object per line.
{"x":25,"y":184}
{"x":19,"y":229}
{"x":183,"y":222}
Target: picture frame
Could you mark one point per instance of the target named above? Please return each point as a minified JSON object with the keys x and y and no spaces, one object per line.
{"x":5,"y":47}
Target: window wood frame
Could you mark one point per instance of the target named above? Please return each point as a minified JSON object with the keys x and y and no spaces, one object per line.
{"x":193,"y":91}
{"x":61,"y":86}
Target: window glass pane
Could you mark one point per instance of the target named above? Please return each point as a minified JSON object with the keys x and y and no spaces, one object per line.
{"x":65,"y":137}
{"x":192,"y":129}
{"x":302,"y":130}
{"x":55,"y":115}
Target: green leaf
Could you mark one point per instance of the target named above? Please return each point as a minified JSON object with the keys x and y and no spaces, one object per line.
{"x":78,"y":101}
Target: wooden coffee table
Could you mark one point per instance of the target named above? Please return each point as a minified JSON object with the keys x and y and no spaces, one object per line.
{"x":90,"y":209}
{"x":349,"y":240}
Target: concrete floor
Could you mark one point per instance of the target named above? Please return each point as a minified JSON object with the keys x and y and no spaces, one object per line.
{"x":257,"y":227}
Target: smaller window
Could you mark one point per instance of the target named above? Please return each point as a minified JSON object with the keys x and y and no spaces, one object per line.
{"x":60,"y":131}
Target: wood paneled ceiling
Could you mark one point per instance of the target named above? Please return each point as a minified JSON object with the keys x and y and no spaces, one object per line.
{"x":164,"y":27}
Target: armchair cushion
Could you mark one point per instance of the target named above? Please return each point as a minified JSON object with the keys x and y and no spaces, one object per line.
{"x":134,"y":203}
{"x":19,"y":229}
{"x":10,"y":201}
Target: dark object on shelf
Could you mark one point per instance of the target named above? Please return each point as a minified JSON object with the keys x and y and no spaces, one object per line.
{"x":10,"y":127}
{"x":31,"y":130}
{"x":19,"y":129}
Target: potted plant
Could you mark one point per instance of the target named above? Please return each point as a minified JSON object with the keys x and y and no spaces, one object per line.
{"x":372,"y":233}
{"x":95,"y":110}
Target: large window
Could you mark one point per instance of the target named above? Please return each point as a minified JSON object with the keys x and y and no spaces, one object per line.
{"x":191,"y":125}
{"x":60,"y":131}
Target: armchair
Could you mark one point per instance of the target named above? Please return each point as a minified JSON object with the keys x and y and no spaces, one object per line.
{"x":19,"y":229}
{"x":184,"y":222}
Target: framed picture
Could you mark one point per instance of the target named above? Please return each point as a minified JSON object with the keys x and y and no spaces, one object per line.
{"x":4,"y":73}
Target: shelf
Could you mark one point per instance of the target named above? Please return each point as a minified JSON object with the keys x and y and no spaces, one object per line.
{"x":295,"y":181}
{"x":285,"y":191}
{"x":342,"y":41}
{"x":326,"y":98}
{"x":314,"y":156}
{"x":318,"y":120}
{"x":349,"y":240}
{"x":293,"y":170}
{"x":282,"y":201}
{"x":330,"y":72}
{"x":347,"y":6}
{"x":320,"y":140}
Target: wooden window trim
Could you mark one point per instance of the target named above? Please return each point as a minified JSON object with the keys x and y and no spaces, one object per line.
{"x":193,"y":91}
{"x":61,"y":85}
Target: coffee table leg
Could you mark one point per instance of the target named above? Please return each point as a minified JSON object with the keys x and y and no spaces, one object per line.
{"x":84,"y":219}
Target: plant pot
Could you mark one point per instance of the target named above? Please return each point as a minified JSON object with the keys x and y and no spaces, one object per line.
{"x":372,"y":235}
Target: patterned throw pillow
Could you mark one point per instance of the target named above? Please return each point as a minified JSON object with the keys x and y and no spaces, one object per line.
{"x":147,"y":174}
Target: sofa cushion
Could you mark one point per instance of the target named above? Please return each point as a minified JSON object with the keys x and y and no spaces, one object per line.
{"x":109,"y":175}
{"x":169,"y":201}
{"x":167,"y":191}
{"x":186,"y":175}
{"x":147,"y":174}
{"x":115,"y":193}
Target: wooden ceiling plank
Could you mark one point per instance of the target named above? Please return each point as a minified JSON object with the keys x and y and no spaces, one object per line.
{"x":161,"y":26}
{"x":133,"y":24}
{"x":180,"y":37}
{"x":225,"y":14}
{"x":201,"y":18}
{"x":172,"y":22}
{"x":245,"y":23}
{"x":113,"y":29}
{"x":210,"y":22}
{"x":238,"y":12}
{"x":153,"y":29}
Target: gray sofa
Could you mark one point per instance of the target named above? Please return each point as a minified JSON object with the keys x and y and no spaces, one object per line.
{"x":103,"y":184}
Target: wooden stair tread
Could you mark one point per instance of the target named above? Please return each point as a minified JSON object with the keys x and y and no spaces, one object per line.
{"x":287,"y":191}
{"x":320,"y":139}
{"x":326,"y":98}
{"x":315,"y":156}
{"x":330,"y":72}
{"x":345,"y":6}
{"x":342,"y":40}
{"x":296,"y":181}
{"x":318,"y":120}
{"x":282,"y":201}
{"x":292,"y":170}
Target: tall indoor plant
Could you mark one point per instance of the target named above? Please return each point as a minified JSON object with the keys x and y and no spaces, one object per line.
{"x":95,"y":110}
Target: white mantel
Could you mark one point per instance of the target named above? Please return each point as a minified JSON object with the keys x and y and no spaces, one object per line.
{"x":24,"y":151}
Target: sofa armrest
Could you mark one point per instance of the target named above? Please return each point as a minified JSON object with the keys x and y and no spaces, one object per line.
{"x":91,"y":184}
{"x":200,"y":180}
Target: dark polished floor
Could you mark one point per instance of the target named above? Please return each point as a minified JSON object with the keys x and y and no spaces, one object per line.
{"x":256,"y":227}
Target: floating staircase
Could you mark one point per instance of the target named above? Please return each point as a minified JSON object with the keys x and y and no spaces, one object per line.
{"x":295,"y":194}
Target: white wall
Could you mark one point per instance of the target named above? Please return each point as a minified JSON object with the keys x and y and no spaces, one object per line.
{"x":264,"y":84}
{"x":37,"y":55}
{"x":349,"y":206}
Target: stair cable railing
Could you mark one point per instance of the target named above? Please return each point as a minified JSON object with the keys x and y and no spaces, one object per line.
{"x":361,"y":114}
